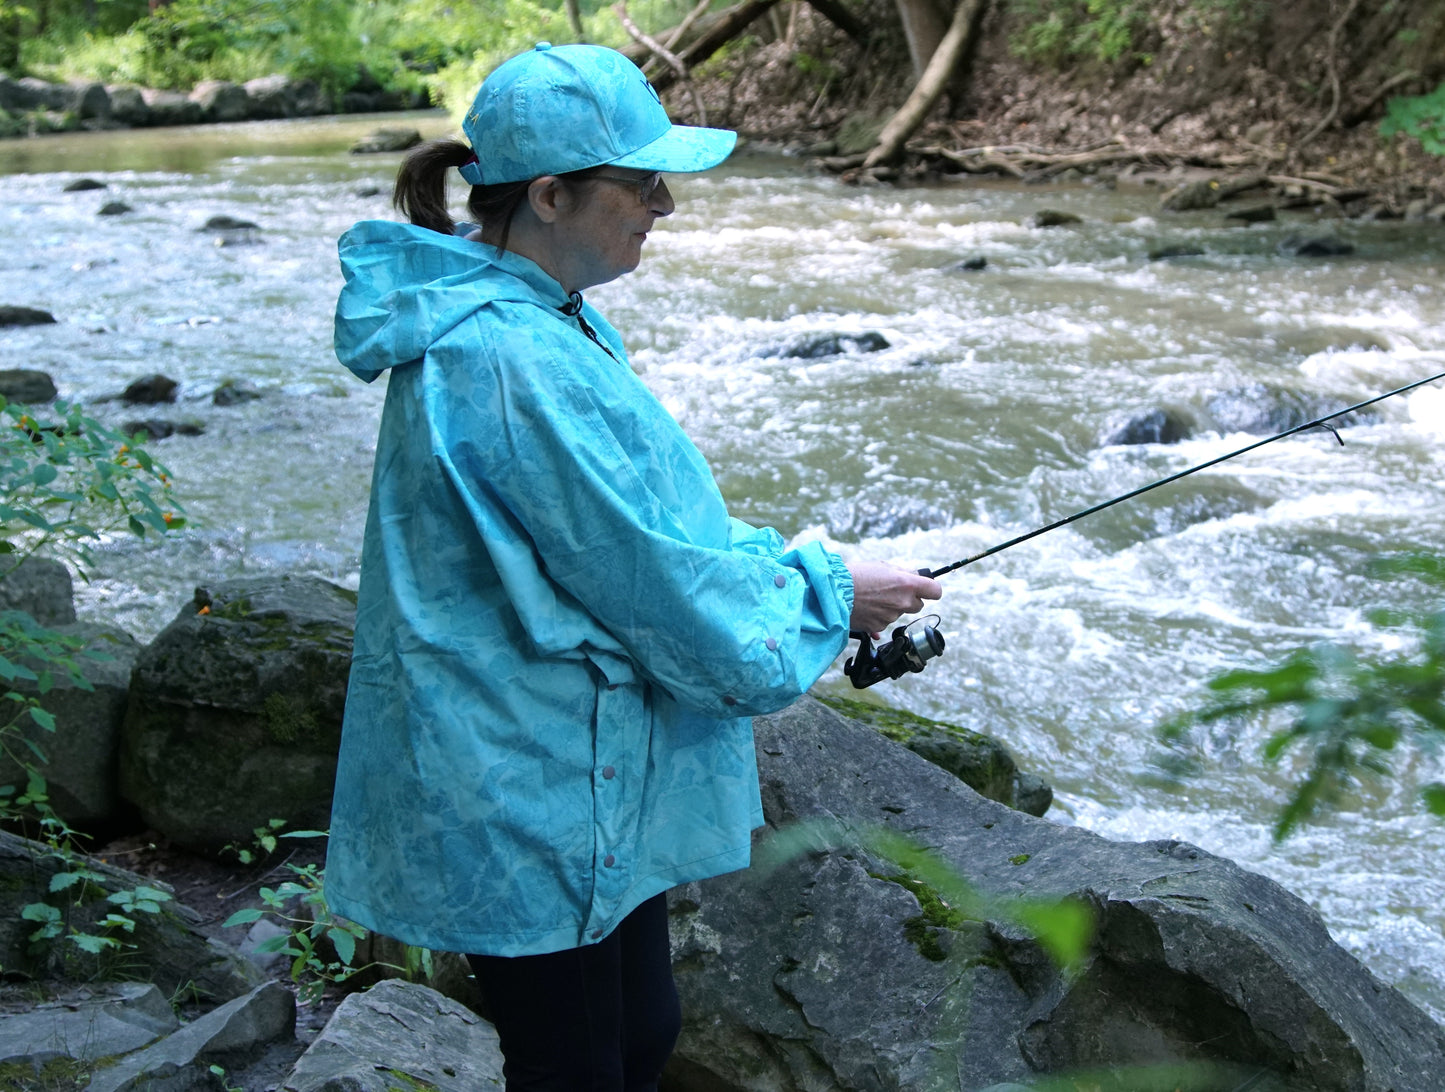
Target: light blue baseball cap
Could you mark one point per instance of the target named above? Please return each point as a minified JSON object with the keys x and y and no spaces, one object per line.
{"x":565,"y":108}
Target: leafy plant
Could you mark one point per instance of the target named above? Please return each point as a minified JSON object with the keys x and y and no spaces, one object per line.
{"x":1419,"y":116}
{"x":66,"y":482}
{"x":76,"y":886}
{"x":1060,"y":33}
{"x":1350,"y":712}
{"x":321,"y":944}
{"x":263,"y":843}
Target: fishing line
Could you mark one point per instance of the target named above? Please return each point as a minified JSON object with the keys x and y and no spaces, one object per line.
{"x":911,"y":646}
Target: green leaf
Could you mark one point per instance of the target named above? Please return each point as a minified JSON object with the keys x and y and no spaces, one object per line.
{"x":42,"y":718}
{"x":305,"y":834}
{"x":44,"y":474}
{"x":137,"y":528}
{"x":63,"y":881}
{"x":1064,"y":928}
{"x":344,"y":943}
{"x":88,"y":942}
{"x":277,"y":944}
{"x":39,"y":911}
{"x":244,"y":917}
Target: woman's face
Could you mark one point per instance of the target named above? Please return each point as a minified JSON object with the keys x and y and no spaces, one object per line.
{"x":603,"y":231}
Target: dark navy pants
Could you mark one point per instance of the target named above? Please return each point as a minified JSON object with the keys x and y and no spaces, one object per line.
{"x":601,"y":1018}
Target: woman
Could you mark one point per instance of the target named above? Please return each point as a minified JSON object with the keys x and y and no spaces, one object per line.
{"x":560,"y":631}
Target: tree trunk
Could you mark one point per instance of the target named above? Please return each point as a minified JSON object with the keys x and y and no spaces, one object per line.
{"x":843,"y":19}
{"x":721,"y":31}
{"x":574,"y":19}
{"x":924,"y":25}
{"x":930,"y":85}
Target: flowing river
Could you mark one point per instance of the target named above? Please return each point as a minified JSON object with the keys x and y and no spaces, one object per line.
{"x":985,"y":415}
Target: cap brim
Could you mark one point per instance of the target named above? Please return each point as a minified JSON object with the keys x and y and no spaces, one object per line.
{"x":682,"y":149}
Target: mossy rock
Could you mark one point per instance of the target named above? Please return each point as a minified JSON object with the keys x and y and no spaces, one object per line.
{"x":235,"y":711}
{"x":978,"y":760}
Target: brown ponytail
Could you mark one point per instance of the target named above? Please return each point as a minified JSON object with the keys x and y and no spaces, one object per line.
{"x":421,"y":183}
{"x":421,"y":191}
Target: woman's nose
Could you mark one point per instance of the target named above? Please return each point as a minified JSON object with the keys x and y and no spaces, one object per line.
{"x":661,"y":202}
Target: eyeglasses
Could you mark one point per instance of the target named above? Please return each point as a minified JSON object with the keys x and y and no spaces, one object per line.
{"x":646,"y":186}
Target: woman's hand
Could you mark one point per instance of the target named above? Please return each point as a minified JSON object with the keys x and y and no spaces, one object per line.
{"x":881,"y":593}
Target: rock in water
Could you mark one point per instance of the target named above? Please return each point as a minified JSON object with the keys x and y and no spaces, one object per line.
{"x":1157,"y":426}
{"x":150,"y":390}
{"x":11,"y":315}
{"x":25,"y":385}
{"x":387,"y":140}
{"x":228,"y":223}
{"x":1055,"y":218}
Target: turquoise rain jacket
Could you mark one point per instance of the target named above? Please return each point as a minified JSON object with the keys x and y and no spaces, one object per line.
{"x":560,"y":631}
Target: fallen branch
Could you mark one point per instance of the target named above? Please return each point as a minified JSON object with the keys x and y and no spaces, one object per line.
{"x":1031,"y":161}
{"x":1306,"y":183}
{"x":717,"y":34}
{"x":677,"y":33}
{"x":930,"y":86}
{"x":659,"y":50}
{"x":1331,"y":47}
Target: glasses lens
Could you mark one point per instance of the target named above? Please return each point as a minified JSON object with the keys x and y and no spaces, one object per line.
{"x":648,"y":186}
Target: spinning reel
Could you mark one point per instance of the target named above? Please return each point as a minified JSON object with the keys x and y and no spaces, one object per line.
{"x":908,"y":650}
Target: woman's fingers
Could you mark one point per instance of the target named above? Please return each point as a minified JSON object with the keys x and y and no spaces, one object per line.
{"x":882,"y":593}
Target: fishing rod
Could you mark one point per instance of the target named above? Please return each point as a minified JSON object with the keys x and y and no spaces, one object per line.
{"x":909,"y":652}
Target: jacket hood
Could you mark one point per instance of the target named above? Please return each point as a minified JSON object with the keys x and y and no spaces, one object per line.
{"x":407,"y":286}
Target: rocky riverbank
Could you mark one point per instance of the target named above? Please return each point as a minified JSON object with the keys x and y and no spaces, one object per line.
{"x":835,"y":965}
{"x":33,"y":107}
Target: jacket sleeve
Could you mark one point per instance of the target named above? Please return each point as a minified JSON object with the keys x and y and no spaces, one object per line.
{"x":626,"y":521}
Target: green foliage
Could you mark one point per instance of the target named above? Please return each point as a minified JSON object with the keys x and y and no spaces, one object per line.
{"x":69,"y":910}
{"x":66,"y":483}
{"x":1419,"y":116}
{"x":191,"y":40}
{"x":263,"y":842}
{"x":321,"y":944}
{"x":1349,"y":712}
{"x":1062,"y":33}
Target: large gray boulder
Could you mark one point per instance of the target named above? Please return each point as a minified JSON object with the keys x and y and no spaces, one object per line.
{"x":837,"y":969}
{"x":235,"y":711}
{"x":87,"y":1024}
{"x":170,"y":108}
{"x":27,"y":385}
{"x":227,"y":1036}
{"x":128,"y":105}
{"x":400,"y":1035}
{"x":279,"y":96}
{"x":221,"y":100}
{"x":39,"y":586}
{"x":165,"y":948}
{"x":82,"y":752}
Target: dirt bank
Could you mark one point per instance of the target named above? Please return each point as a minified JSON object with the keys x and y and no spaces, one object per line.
{"x":1298,"y":92}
